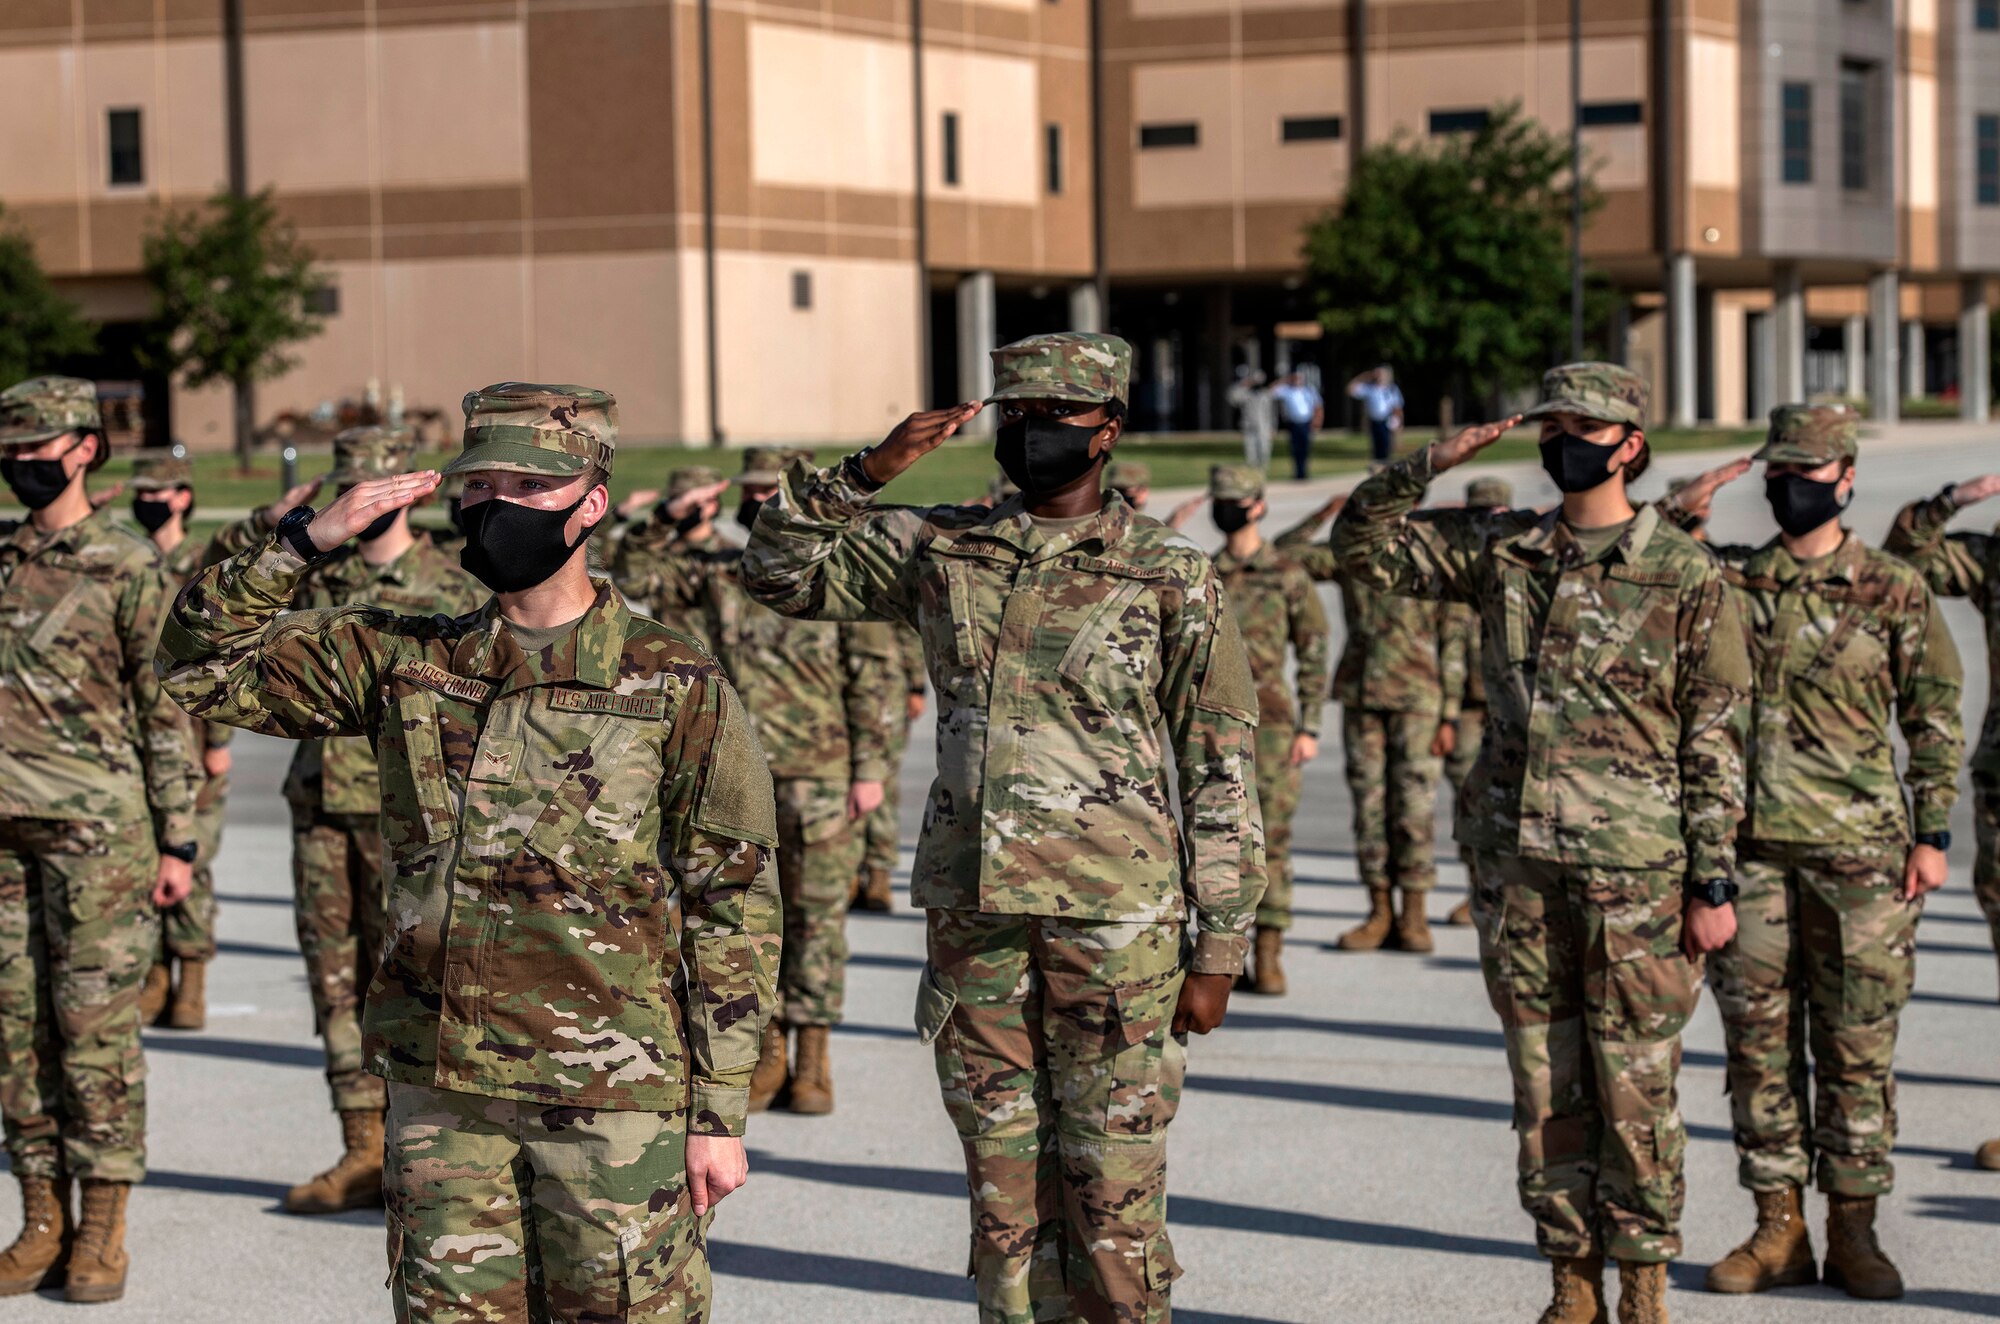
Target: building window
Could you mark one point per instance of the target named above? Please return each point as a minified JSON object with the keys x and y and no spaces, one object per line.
{"x":802,"y":290}
{"x":1605,"y":114}
{"x":128,"y":158}
{"x":1309,"y":128}
{"x":1169,"y":135}
{"x":1986,"y":15}
{"x":951,"y":147}
{"x":1855,"y":80}
{"x":323,"y":301}
{"x":1459,"y":121}
{"x":1052,"y":145}
{"x":1797,"y":143}
{"x":1986,"y":160}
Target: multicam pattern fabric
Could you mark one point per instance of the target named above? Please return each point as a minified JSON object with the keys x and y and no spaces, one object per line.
{"x":1393,"y":777}
{"x":1826,"y":954}
{"x":819,"y":852}
{"x":884,"y":829}
{"x":1615,"y":686}
{"x":341,"y":914}
{"x":1812,"y":434}
{"x":1003,"y":993}
{"x":158,"y":471}
{"x":504,"y":1210}
{"x":1127,"y":476}
{"x":187,"y":931}
{"x":651,"y":566}
{"x":540,"y":811}
{"x":1064,"y":365}
{"x":1056,"y":656}
{"x":45,"y":407}
{"x":1604,"y":391}
{"x":1389,"y":658}
{"x":529,"y":428}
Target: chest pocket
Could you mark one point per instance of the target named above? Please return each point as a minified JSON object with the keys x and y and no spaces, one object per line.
{"x":1631,"y":596}
{"x":421,"y":780}
{"x":1114,"y":655}
{"x":950,"y":595}
{"x":59,"y":644}
{"x":1850,"y":658}
{"x":589,"y":826}
{"x":1515,"y":630}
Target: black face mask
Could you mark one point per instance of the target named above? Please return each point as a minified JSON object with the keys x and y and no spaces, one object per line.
{"x":510,"y":547}
{"x":746,"y":513}
{"x":37,"y":482}
{"x":1043,"y":454}
{"x":1229,"y":516}
{"x":1801,"y":505}
{"x":1577,"y":464}
{"x":152,"y":513}
{"x":457,"y":509}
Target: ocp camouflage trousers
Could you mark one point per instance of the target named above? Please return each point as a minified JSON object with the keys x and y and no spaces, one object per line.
{"x":1585,"y":969}
{"x":505,"y":1211}
{"x":187,"y":931}
{"x":1986,"y":863}
{"x":1458,"y":766}
{"x":1393,"y":777}
{"x":342,"y":915}
{"x":819,"y":850}
{"x":1278,"y":793}
{"x":1824,"y":957}
{"x":77,"y":934}
{"x":1060,"y":1076}
{"x":883,"y":828}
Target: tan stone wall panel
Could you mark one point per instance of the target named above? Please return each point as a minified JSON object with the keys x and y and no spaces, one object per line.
{"x":1274,"y":234}
{"x":1623,"y":225}
{"x":452,"y":206}
{"x":57,"y":231}
{"x":1720,"y":209}
{"x":587,"y":238}
{"x":600,"y":113}
{"x":38,"y":107}
{"x":132,"y":15}
{"x":37,"y":17}
{"x":117,"y":230}
{"x":458,"y":242}
{"x":1173,"y":241}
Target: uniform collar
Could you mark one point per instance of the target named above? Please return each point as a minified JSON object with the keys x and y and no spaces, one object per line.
{"x":1843,"y":564}
{"x":1549,"y":536}
{"x":91,"y":528}
{"x":590,"y":656}
{"x":1257,"y":560}
{"x":1010,"y":523}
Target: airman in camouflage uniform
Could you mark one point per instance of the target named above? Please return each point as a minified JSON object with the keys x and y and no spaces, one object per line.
{"x":1279,"y":612}
{"x":647,"y":561}
{"x":162,"y":503}
{"x":97,"y":782}
{"x":1129,"y":479}
{"x":1391,"y":691}
{"x":334,"y":791}
{"x":1061,"y":631}
{"x":567,"y":1066}
{"x":1967,"y":565}
{"x":1844,"y":641}
{"x":1462,"y":724}
{"x":1610,"y":780}
{"x":884,"y":827}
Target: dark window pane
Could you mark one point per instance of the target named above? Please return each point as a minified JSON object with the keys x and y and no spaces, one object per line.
{"x":1854,"y":87}
{"x":323,"y":300}
{"x":1169,"y":135}
{"x":1986,"y":148}
{"x":1797,"y":143}
{"x":1986,"y":15}
{"x":802,"y":289}
{"x":128,"y":162}
{"x":1055,"y":157}
{"x":950,"y":146}
{"x":1310,"y":128}
{"x":1459,"y":121}
{"x":1598,"y":114}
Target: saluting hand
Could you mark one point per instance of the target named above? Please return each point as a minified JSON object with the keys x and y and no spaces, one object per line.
{"x":105,"y":496}
{"x":364,"y":503}
{"x":1467,"y":442}
{"x":1181,"y":514}
{"x":1699,"y":495}
{"x":915,"y":437}
{"x":637,"y":502}
{"x":1977,"y":490}
{"x":679,"y":506}
{"x":294,"y":496}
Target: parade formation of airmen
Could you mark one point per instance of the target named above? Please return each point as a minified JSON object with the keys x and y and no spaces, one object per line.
{"x":582,"y":797}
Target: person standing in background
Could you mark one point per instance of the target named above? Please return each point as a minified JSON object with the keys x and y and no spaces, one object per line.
{"x":1303,"y":411}
{"x":1254,"y":416}
{"x":1378,"y":393}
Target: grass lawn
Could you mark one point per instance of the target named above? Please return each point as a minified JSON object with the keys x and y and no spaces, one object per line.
{"x":958,"y":471}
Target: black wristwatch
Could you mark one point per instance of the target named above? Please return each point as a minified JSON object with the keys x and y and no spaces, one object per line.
{"x":1935,"y":840}
{"x":857,"y":472}
{"x":184,"y":851}
{"x":1716,"y":891}
{"x":292,"y":533}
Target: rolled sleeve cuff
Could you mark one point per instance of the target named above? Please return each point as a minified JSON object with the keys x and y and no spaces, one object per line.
{"x":1706,"y":862}
{"x":871,"y":770}
{"x":718,"y":1110}
{"x":830,"y":494}
{"x":1932,"y":814}
{"x":175,"y":828}
{"x":1220,"y":953}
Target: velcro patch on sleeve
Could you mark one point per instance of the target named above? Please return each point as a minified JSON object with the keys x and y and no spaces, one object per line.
{"x":434,"y":677}
{"x":652,"y":707}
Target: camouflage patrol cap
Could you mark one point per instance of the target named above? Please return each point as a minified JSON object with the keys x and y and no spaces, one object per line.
{"x":1489,"y":492}
{"x":1812,"y":434}
{"x":763,"y":466}
{"x":690,"y":476}
{"x":1235,"y":482}
{"x":43,"y":407}
{"x":371,"y":452}
{"x":1063,"y":365}
{"x":523,"y":427}
{"x":1602,"y":391}
{"x":161,"y":470}
{"x":1123,"y":475}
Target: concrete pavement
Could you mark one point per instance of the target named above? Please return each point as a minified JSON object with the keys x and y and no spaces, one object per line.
{"x":1342,"y":1154}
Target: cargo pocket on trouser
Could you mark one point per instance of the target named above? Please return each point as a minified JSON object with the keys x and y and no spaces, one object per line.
{"x":664,"y":1269}
{"x":1161,"y":1270}
{"x":1142,"y":1090}
{"x":935,"y":1002}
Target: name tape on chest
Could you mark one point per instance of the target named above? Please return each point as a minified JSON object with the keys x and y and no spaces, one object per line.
{"x":652,"y":707}
{"x":434,"y":677}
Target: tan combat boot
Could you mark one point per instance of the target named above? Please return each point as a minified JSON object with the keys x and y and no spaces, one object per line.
{"x":153,"y":997}
{"x":1461,"y":915}
{"x":39,"y":1255}
{"x":1854,"y":1259}
{"x":1642,"y":1293}
{"x":1988,"y":1156}
{"x":97,"y":1259}
{"x":874,"y":895}
{"x":190,"y":1009}
{"x":769,"y":1078}
{"x":1579,"y":1292}
{"x":812,"y":1082}
{"x":1268,"y":972}
{"x":1413,"y":927}
{"x":355,"y":1181}
{"x":1778,"y":1254}
{"x":1372,"y":932}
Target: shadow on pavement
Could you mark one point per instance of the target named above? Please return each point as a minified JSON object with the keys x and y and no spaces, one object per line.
{"x":884,"y":961}
{"x":1960,"y":1208}
{"x":256,"y":949}
{"x":1952,"y":1000}
{"x":245,"y":899}
{"x":202,"y":1183}
{"x":248,"y":1050}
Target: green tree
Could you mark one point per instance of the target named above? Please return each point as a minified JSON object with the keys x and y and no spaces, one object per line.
{"x":230,"y":284}
{"x":38,"y":327}
{"x":1450,"y":260}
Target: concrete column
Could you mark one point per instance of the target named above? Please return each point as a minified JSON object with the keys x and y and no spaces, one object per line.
{"x":1620,"y":334}
{"x":1975,"y":353}
{"x":1885,"y":329}
{"x":1681,"y":363}
{"x":1854,"y":357}
{"x":1086,"y":310}
{"x":1763,"y":366}
{"x":977,"y":333}
{"x":1788,"y":335}
{"x":1914,"y":359}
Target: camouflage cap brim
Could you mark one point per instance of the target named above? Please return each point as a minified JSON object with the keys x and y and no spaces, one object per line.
{"x":518,"y":457}
{"x":1047,"y":390}
{"x":154,"y":484}
{"x":1596,"y":409}
{"x":1791,"y":452}
{"x":758,"y":478}
{"x":34,"y":437}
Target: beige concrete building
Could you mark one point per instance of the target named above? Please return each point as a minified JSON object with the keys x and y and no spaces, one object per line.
{"x":801,"y":219}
